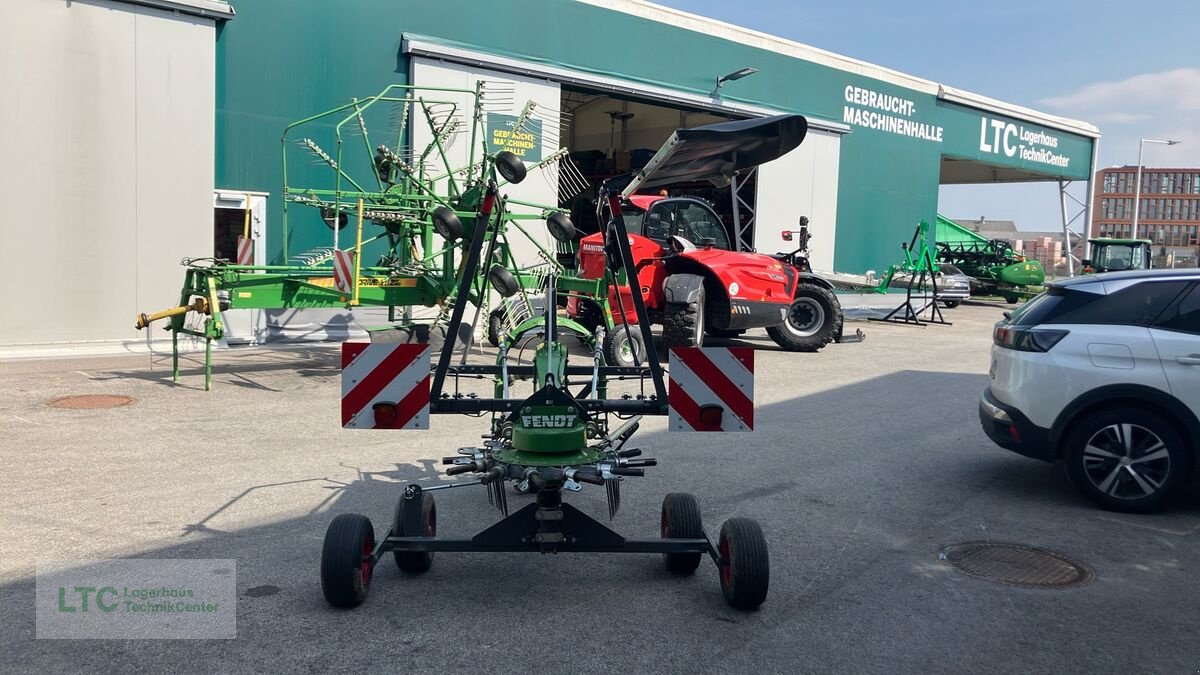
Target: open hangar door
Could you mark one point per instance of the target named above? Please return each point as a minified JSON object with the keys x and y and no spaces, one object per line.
{"x":609,"y":135}
{"x":1057,"y":244}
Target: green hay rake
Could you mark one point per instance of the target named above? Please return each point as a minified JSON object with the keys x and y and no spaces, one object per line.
{"x":420,"y":202}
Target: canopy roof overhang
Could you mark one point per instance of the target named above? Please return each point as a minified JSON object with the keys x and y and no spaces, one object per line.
{"x":957,"y":171}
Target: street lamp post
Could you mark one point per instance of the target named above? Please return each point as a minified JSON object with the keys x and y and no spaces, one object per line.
{"x":1137,"y":190}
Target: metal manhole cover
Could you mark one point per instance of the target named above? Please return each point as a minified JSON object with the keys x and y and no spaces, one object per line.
{"x":1017,"y":565}
{"x":90,"y":401}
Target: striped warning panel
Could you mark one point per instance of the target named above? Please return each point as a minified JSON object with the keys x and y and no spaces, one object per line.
{"x":711,"y":389}
{"x":385,"y":386}
{"x":343,"y":271}
{"x":245,"y":251}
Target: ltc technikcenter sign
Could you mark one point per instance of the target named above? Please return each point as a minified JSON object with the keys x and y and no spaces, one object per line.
{"x":1031,"y":145}
{"x":965,"y":132}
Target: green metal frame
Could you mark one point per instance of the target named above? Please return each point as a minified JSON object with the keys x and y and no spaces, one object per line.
{"x":405,"y":194}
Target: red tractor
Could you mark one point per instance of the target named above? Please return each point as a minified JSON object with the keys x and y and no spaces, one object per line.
{"x":695,"y":284}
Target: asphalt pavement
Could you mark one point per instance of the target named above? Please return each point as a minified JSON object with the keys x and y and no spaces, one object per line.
{"x":867,"y":462}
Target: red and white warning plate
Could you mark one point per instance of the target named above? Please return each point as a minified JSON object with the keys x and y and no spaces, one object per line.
{"x":385,"y":386}
{"x":343,"y":271}
{"x":711,"y":389}
{"x":245,"y":251}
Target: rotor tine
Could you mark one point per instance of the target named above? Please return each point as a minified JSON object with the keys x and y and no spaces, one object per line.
{"x":617,"y":492}
{"x":503,"y":497}
{"x":491,"y":490}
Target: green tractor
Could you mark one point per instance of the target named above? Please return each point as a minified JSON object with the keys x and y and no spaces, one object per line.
{"x":1115,"y":255}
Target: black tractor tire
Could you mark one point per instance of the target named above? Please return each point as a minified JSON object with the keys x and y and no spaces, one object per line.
{"x":403,"y":335}
{"x":341,"y":220}
{"x":951,"y":304}
{"x":1011,"y":299}
{"x":495,"y":326}
{"x":346,"y":567}
{"x":504,"y":281}
{"x":560,"y":227}
{"x":415,"y":562}
{"x":510,"y":167}
{"x":725,"y":333}
{"x":683,"y":323}
{"x":681,"y":520}
{"x":589,"y":315}
{"x":447,"y":224}
{"x":814,"y":320}
{"x":746,"y":572}
{"x":1130,"y":474}
{"x":621,"y":343}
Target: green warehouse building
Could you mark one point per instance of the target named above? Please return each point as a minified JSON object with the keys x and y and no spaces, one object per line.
{"x":165,"y":121}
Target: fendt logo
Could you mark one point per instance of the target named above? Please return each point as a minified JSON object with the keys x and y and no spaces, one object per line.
{"x":548,"y":421}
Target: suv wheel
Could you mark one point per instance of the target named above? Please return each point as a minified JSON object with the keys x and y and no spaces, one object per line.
{"x":1126,"y":459}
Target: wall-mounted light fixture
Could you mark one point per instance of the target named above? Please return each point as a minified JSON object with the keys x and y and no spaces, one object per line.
{"x":735,"y":75}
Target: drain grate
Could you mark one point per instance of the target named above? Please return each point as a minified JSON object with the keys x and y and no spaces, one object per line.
{"x":90,"y":401}
{"x":1017,"y":565}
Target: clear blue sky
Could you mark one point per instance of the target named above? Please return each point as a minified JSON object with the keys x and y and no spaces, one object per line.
{"x":1133,"y":76}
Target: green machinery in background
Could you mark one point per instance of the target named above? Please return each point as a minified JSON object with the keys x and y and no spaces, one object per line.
{"x":918,"y":273}
{"x":420,"y":203}
{"x":998,"y":269}
{"x":1112,"y":255}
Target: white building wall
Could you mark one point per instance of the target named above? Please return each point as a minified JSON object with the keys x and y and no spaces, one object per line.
{"x":803,"y":182}
{"x":106,"y":124}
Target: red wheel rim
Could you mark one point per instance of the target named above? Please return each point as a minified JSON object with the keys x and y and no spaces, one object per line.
{"x":431,"y":524}
{"x":365,"y":567}
{"x":664,"y":523}
{"x":727,"y":567}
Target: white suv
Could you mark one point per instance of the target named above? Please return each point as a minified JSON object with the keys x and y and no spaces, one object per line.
{"x":1103,"y":373}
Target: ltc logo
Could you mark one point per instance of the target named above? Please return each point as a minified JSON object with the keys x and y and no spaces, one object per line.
{"x":1002,"y":135}
{"x":548,"y":421}
{"x":85,"y":593}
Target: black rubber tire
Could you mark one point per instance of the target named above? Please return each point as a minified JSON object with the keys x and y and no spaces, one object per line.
{"x":345,"y":573}
{"x":683,"y":323}
{"x":495,"y":326}
{"x":510,"y":167}
{"x":447,"y":224}
{"x":1011,"y":299}
{"x":327,"y":216}
{"x":589,"y":315}
{"x":951,"y":304}
{"x":1169,"y":473}
{"x":409,"y":561}
{"x":792,"y":338}
{"x":681,"y":520}
{"x":726,"y":333}
{"x":614,"y":346}
{"x":560,"y":227}
{"x":504,"y":281}
{"x":439,"y":334}
{"x":405,"y":335}
{"x":747,"y":573}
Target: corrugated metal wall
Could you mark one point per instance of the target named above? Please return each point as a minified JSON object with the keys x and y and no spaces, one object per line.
{"x":106,"y":125}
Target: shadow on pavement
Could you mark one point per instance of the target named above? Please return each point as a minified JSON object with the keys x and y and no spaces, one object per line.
{"x":857,"y":489}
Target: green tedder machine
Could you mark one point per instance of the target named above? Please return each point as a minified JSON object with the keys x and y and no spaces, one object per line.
{"x":568,"y":430}
{"x":421,"y":203}
{"x":998,"y":269}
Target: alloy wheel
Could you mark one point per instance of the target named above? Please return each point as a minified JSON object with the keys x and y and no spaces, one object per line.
{"x":1126,"y":461}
